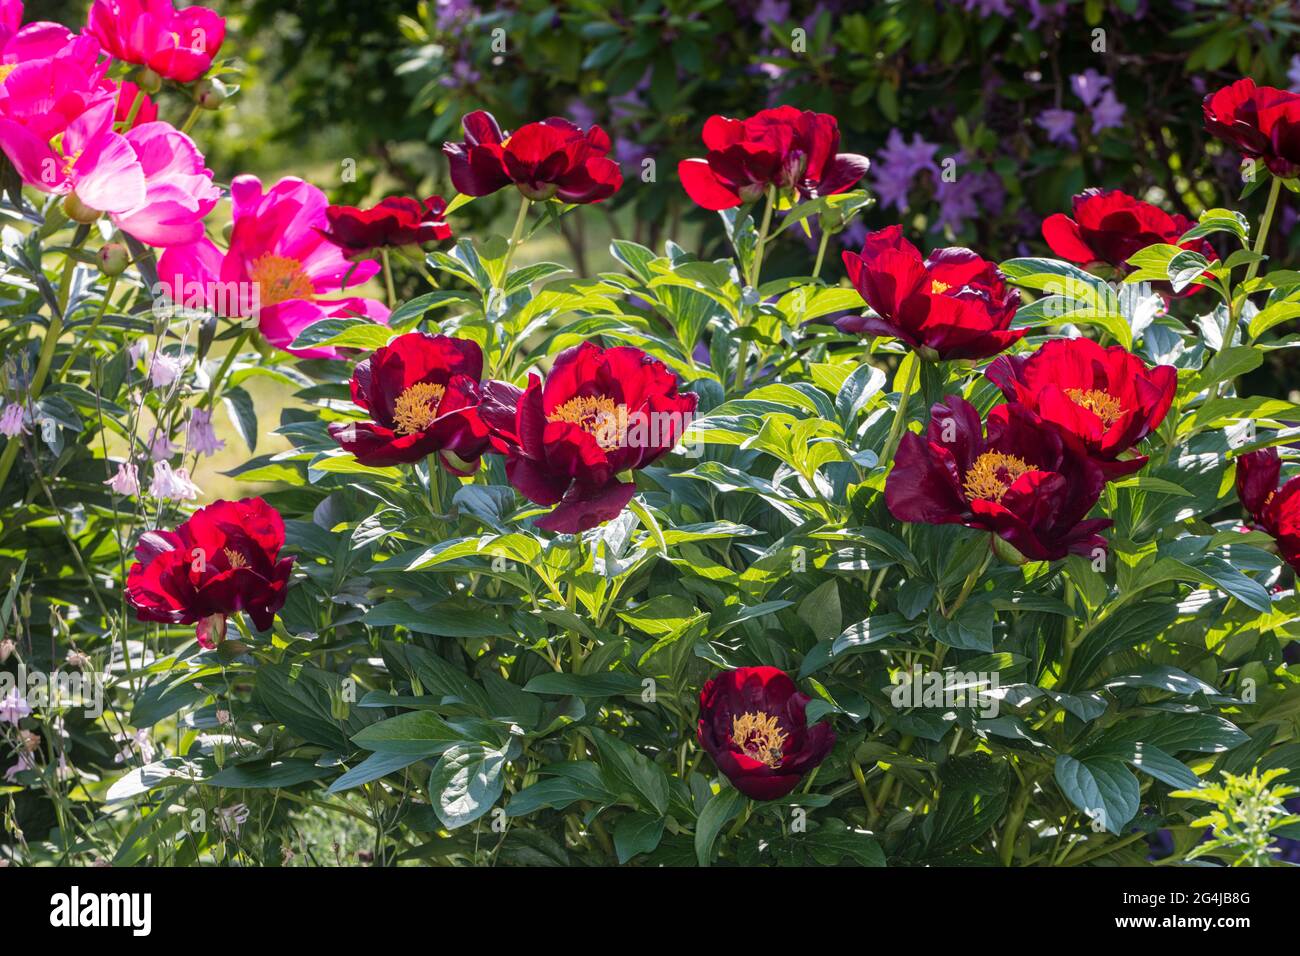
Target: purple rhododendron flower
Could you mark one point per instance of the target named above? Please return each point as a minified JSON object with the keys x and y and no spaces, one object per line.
{"x":1059,"y":125}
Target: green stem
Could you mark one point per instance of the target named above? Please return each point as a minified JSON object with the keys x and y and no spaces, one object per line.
{"x":90,"y":332}
{"x":48,"y":345}
{"x":1234,"y":318}
{"x":388,"y":277}
{"x":821,"y":253}
{"x":135,"y":108}
{"x":210,"y":398}
{"x":900,"y":420}
{"x":189,"y":120}
{"x":1007,"y":845}
{"x":751,"y":281}
{"x":515,"y":240}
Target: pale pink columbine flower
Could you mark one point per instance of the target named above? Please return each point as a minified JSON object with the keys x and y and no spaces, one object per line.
{"x":12,"y":421}
{"x":13,"y":707}
{"x":230,"y":819}
{"x":25,"y":762}
{"x":137,"y":349}
{"x":161,"y":446}
{"x":138,"y":741}
{"x":169,"y":485}
{"x":279,"y":268}
{"x":163,"y":370}
{"x":201,"y":436}
{"x":151,"y":181}
{"x":127,"y":480}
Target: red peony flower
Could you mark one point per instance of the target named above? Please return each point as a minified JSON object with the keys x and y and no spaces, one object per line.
{"x":176,"y":44}
{"x":753,"y":725}
{"x":223,"y":560}
{"x":550,"y":159}
{"x":1102,"y":401}
{"x":1276,"y":510}
{"x":793,"y":150}
{"x":601,"y":413}
{"x":422,"y":392}
{"x":953,"y":305}
{"x":1261,"y":121}
{"x":1020,"y":482}
{"x":395,"y":221}
{"x":1110,"y":226}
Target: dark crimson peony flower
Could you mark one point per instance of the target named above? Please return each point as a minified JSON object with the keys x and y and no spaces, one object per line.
{"x":1020,"y":482}
{"x":176,"y":44}
{"x":1276,"y":510}
{"x":550,"y":159}
{"x":224,"y":559}
{"x":1110,"y":226}
{"x":1261,"y":121}
{"x":600,"y":414}
{"x":793,"y":150}
{"x":953,"y":305}
{"x":395,"y":221}
{"x":422,"y":393}
{"x":753,"y":725}
{"x":1103,"y":401}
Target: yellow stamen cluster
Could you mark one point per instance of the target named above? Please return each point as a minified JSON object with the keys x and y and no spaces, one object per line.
{"x":236,"y":559}
{"x":598,"y":415}
{"x":417,"y":408}
{"x":6,"y":69}
{"x":279,"y":279}
{"x":939,"y":288}
{"x":992,"y":474}
{"x":759,"y":736}
{"x":1102,"y":404}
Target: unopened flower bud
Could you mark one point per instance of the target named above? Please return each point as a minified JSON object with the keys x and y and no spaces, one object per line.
{"x":113,"y":258}
{"x":78,"y":211}
{"x":6,"y":649}
{"x":148,"y":80}
{"x":210,"y":93}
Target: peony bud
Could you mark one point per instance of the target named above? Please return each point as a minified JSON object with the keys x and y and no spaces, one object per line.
{"x":78,"y":211}
{"x":210,"y":93}
{"x":113,"y":258}
{"x":148,"y":80}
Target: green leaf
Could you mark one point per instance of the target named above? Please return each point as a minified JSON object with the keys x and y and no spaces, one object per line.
{"x":633,"y":773}
{"x":467,"y":781}
{"x":269,"y":774}
{"x":585,"y":685}
{"x":415,"y":734}
{"x":637,"y":833}
{"x":1102,"y":787}
{"x":579,"y":780}
{"x":717,"y":813}
{"x":376,"y":765}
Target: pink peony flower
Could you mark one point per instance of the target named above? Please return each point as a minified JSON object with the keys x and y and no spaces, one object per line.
{"x":278,"y":269}
{"x":44,"y":95}
{"x":177,"y":44}
{"x":19,"y":43}
{"x":151,"y":181}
